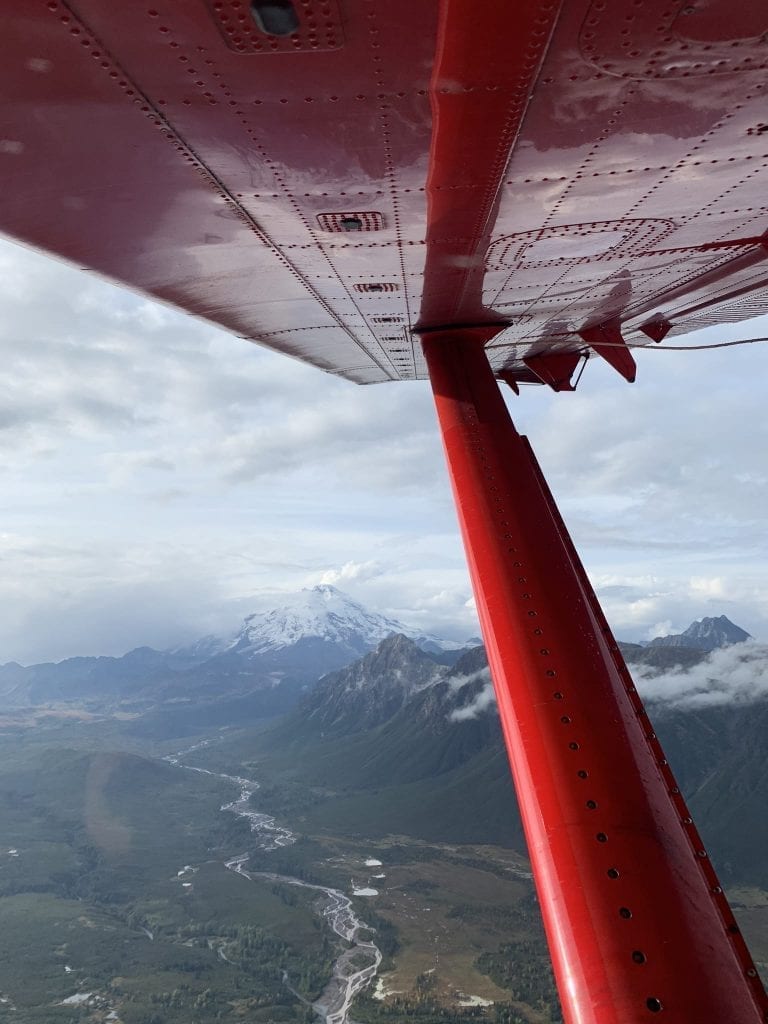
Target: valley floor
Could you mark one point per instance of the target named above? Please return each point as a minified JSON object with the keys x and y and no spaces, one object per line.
{"x":121,"y":900}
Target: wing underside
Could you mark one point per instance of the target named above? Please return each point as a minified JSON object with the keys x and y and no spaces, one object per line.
{"x":576,"y":174}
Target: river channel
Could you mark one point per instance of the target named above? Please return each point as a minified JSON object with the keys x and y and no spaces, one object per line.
{"x":335,"y":907}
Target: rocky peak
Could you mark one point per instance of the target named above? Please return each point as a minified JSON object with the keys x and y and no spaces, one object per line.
{"x":318,"y":626}
{"x":706,"y":634}
{"x":373,"y":689}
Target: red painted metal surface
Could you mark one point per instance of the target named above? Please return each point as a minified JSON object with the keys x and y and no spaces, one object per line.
{"x":479,"y":93}
{"x":635,"y":917}
{"x":607,"y":340}
{"x":547,"y":165}
{"x":555,"y":368}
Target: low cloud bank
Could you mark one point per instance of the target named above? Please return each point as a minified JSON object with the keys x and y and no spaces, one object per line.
{"x":730,"y":675}
{"x":483,"y":700}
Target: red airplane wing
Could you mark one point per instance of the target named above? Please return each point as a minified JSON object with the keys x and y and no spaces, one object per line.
{"x":568,"y":171}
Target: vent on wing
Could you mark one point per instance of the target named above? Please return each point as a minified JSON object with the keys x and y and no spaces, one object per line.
{"x":377,"y":286}
{"x":268,"y":26}
{"x":368,"y":220}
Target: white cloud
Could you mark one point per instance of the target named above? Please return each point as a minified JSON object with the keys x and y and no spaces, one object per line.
{"x":145,"y":453}
{"x":360,"y":571}
{"x":736,"y":674}
{"x":480,"y":703}
{"x":665,"y":628}
{"x":703,"y":586}
{"x":484,"y":699}
{"x":457,"y":683}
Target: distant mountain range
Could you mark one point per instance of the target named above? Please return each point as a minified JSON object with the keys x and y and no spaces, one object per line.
{"x":428,"y":758}
{"x":257,"y":671}
{"x":683,"y":650}
{"x":706,"y":634}
{"x":321,"y":622}
{"x":414,"y":716}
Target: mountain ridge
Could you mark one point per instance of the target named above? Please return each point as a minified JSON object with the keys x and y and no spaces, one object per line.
{"x":706,"y":634}
{"x":424,"y":768}
{"x":272,"y":658}
{"x":321,"y":612}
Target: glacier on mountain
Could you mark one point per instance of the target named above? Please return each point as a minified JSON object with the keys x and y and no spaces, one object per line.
{"x":321,"y":613}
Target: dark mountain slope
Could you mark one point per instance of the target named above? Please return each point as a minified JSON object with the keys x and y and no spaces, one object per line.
{"x":660,"y":658}
{"x":720,"y":756}
{"x":428,"y":760}
{"x":394,"y":731}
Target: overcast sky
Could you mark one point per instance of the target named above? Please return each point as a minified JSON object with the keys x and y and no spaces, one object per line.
{"x":161,"y":479}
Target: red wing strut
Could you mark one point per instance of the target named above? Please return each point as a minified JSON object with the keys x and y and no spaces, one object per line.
{"x":632,"y":907}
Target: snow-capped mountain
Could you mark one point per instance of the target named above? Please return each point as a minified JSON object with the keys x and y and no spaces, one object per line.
{"x":322,"y":612}
{"x":318,"y":614}
{"x":261,"y":669}
{"x":317,"y":630}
